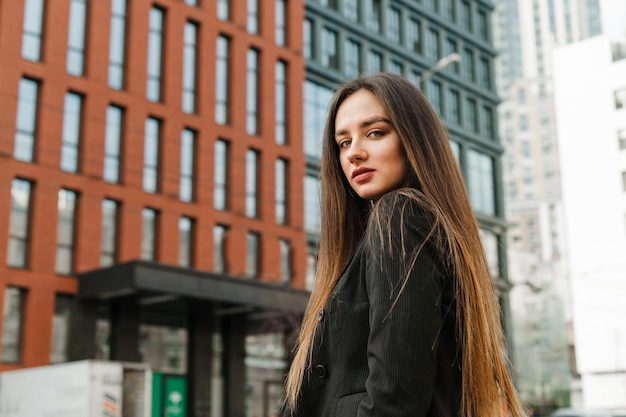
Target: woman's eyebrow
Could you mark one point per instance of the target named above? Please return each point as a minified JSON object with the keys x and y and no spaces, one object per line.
{"x":365,"y":123}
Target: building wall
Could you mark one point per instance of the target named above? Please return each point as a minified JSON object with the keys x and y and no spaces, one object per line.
{"x":38,"y":278}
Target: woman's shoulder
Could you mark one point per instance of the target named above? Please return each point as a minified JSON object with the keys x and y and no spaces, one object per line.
{"x":405,"y":202}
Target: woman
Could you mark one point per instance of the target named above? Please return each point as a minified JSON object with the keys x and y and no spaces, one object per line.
{"x":403,"y":319}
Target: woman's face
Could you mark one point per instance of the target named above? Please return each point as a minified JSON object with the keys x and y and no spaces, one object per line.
{"x":370,"y":152}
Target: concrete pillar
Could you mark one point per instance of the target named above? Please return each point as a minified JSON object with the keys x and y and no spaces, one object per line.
{"x":199,"y":357}
{"x":81,"y":339}
{"x":234,"y":334}
{"x":124,"y":319}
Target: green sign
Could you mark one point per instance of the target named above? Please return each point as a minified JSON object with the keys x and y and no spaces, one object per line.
{"x":175,"y":396}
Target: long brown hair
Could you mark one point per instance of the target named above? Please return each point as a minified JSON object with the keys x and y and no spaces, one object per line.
{"x":434,"y":172}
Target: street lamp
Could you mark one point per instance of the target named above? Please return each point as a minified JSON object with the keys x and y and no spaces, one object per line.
{"x":441,"y":64}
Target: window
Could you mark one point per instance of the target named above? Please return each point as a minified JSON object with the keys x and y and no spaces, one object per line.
{"x":521,"y":96}
{"x":483,"y":25}
{"x":117,"y":44}
{"x":66,"y":224}
{"x":191,"y":2}
{"x":307,"y":39}
{"x":285,"y":261}
{"x":252,"y":254}
{"x":186,"y":231}
{"x":471,"y":115}
{"x":468,"y":64}
{"x":32,"y":30}
{"x":26,"y":120}
{"x":451,"y":48}
{"x":19,"y":226}
{"x":221,"y":81}
{"x":223,"y":9}
{"x":372,"y":15}
{"x":219,"y":248}
{"x":312,"y":217}
{"x":396,"y":67}
{"x":280,"y":22}
{"x":76,"y":37}
{"x":155,"y":54}
{"x":316,"y":99}
{"x":329,"y":3}
{"x":432,"y":44}
{"x":523,"y":122}
{"x":620,"y":98}
{"x":485,"y":73}
{"x":252,"y":24}
{"x":329,"y":49}
{"x":280,"y":109}
{"x":351,"y":10}
{"x":70,"y":147}
{"x":453,"y":106}
{"x":434,"y":95}
{"x":187,"y":165}
{"x":413,"y":38}
{"x":12,"y":324}
{"x":374,"y":61}
{"x":281,"y":190}
{"x":110,"y":224}
{"x":189,"y":67}
{"x":220,"y":175}
{"x":60,"y":327}
{"x":481,"y":186}
{"x":621,"y":138}
{"x":353,"y":58}
{"x":393,"y":25}
{"x":252,"y":181}
{"x":466,"y":16}
{"x":487,"y":122}
{"x":149,"y":233}
{"x":113,"y":144}
{"x":151,"y":155}
{"x":252,"y":89}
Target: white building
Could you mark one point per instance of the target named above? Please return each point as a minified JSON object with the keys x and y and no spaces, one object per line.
{"x":590,"y":103}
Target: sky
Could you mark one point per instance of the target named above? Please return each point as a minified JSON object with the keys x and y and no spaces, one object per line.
{"x":613,"y":14}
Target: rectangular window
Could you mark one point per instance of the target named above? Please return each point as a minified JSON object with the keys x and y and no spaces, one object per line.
{"x":60,"y":327}
{"x":374,"y":62}
{"x":434,"y":95}
{"x":13,"y":324}
{"x":189,"y":67}
{"x":307,"y":39}
{"x":353,"y":58}
{"x":66,"y":226}
{"x":485,"y":73}
{"x":468,"y":64}
{"x":413,"y":36}
{"x":32,"y":30}
{"x":252,"y":182}
{"x":620,"y":98}
{"x":252,"y":254}
{"x":621,"y":138}
{"x":280,"y":22}
{"x":466,"y":16}
{"x":329,"y":49}
{"x":110,"y":227}
{"x":19,"y":223}
{"x":481,"y":184}
{"x":372,"y":15}
{"x":187,"y":165}
{"x":471,"y":115}
{"x":149,"y":234}
{"x":186,"y":233}
{"x":285,"y":261}
{"x":117,"y":44}
{"x":220,"y":233}
{"x":393,"y":25}
{"x":26,"y":120}
{"x":70,"y":147}
{"x":220,"y":175}
{"x":396,"y":67}
{"x":113,"y":144}
{"x":252,"y":92}
{"x":151,"y":155}
{"x":316,"y":98}
{"x":76,"y":37}
{"x":191,"y":3}
{"x":281,"y":190}
{"x":155,"y":54}
{"x":312,"y":214}
{"x":487,"y":122}
{"x":453,"y":107}
{"x":223,"y":10}
{"x":483,"y":25}
{"x":432,"y":44}
{"x":351,"y":10}
{"x":252,"y":24}
{"x":280,"y":109}
{"x":329,"y":3}
{"x":451,"y":48}
{"x":221,"y":81}
{"x":449,"y":10}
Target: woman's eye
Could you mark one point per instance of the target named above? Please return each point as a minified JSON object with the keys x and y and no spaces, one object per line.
{"x":377,"y":133}
{"x":345,"y":143}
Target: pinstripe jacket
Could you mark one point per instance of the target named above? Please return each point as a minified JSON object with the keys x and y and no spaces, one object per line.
{"x":386,"y":342}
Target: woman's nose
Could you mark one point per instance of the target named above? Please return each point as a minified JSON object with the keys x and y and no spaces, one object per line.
{"x":356,"y":151}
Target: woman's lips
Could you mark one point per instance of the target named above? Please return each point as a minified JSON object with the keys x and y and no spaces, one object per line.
{"x":362,"y":174}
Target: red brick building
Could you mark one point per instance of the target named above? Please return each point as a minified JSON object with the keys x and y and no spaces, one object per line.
{"x":167,"y":131}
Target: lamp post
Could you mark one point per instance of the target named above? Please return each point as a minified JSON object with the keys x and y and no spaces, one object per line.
{"x":441,"y":64}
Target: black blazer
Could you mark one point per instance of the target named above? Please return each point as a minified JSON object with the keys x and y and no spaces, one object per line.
{"x":380,"y":349}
